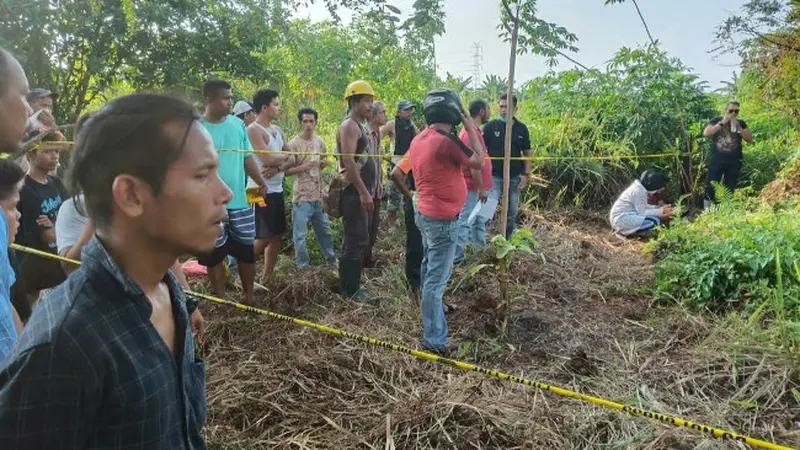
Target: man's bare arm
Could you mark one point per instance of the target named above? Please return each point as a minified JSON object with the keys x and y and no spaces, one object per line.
{"x":528,"y":163}
{"x":476,"y":161}
{"x":260,"y":142}
{"x":711,"y":130}
{"x":400,"y":181}
{"x":74,"y":251}
{"x":17,"y":320}
{"x":747,"y":136}
{"x":388,"y":129}
{"x":253,"y":171}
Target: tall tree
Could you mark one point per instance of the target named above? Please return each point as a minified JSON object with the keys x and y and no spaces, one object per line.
{"x":526,"y":33}
{"x":766,"y":35}
{"x":423,"y":27}
{"x":80,"y":48}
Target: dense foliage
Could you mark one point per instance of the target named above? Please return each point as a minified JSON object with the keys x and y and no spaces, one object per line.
{"x":743,"y":255}
{"x":641,"y":104}
{"x":727,"y":256}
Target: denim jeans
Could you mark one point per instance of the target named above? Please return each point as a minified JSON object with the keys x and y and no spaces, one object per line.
{"x":513,"y":199}
{"x":439,"y":246}
{"x":302,"y":213}
{"x":474,"y":232}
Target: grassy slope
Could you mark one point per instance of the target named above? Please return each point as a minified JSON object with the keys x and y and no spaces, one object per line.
{"x":582,"y":321}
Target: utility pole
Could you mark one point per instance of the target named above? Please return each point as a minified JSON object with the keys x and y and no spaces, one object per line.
{"x":477,"y":65}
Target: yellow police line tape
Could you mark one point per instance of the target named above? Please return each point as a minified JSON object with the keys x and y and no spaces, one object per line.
{"x":388,"y":157}
{"x":663,"y":418}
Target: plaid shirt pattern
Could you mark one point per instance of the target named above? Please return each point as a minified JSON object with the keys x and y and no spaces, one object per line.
{"x":91,"y":372}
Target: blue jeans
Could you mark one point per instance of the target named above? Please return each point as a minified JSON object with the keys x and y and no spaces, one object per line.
{"x":301,"y":213}
{"x":439,"y":246}
{"x":474,"y":233}
{"x":513,"y":200}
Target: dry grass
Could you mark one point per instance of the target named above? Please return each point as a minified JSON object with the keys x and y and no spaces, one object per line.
{"x":786,"y":186}
{"x":579,"y":322}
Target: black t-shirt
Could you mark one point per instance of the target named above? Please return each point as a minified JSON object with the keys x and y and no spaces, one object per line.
{"x":37,"y":199}
{"x":726,"y":144}
{"x":494,"y":134}
{"x":403,"y":135}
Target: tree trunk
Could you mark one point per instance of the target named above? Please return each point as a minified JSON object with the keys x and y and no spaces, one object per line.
{"x":503,"y":307}
{"x":512,"y":63}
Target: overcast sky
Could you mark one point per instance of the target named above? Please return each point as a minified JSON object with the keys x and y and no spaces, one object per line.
{"x":685,"y":29}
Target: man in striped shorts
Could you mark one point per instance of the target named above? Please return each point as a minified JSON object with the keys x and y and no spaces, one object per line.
{"x":237,"y":237}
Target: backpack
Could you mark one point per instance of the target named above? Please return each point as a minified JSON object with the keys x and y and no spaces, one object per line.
{"x":332,"y":199}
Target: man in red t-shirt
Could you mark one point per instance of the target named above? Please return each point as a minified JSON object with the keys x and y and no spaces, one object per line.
{"x":478,"y":183}
{"x":437,"y":160}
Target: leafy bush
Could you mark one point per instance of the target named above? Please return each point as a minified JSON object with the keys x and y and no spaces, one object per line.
{"x":643,"y":103}
{"x":728,"y":257}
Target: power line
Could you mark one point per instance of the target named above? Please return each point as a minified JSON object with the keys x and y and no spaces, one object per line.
{"x":477,"y":64}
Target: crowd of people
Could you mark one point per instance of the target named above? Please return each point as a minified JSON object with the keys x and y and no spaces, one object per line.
{"x":102,"y":355}
{"x":107,"y":358}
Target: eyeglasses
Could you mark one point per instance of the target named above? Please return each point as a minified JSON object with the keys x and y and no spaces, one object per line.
{"x":733,"y":111}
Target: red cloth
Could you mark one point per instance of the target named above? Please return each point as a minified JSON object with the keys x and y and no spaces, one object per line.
{"x":486,"y":172}
{"x":192,"y":268}
{"x":437,"y":163}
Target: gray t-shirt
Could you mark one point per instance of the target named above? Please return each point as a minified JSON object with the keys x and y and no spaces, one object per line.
{"x":70,"y":224}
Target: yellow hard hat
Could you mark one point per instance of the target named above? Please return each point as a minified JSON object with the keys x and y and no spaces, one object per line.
{"x":358,"y":87}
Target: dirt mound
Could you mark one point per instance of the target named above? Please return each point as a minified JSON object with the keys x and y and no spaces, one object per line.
{"x":786,"y":186}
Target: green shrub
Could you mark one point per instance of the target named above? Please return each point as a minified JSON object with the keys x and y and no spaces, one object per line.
{"x":728,"y":256}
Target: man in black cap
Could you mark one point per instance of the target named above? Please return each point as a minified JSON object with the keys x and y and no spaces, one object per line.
{"x":402,"y":131}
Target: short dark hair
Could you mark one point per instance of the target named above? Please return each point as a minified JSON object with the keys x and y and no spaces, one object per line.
{"x":304,"y":111}
{"x":734,"y":102}
{"x":126,"y":137}
{"x":37,"y":136}
{"x":505,"y":97}
{"x":476,"y":106}
{"x":263,"y":98}
{"x":211,"y":88}
{"x":80,"y":123}
{"x":10,"y":176}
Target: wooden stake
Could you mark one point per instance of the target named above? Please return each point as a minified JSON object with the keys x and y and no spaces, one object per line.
{"x":509,"y":122}
{"x":503,"y":307}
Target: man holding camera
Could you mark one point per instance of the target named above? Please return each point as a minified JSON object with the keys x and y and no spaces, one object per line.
{"x":726,"y":133}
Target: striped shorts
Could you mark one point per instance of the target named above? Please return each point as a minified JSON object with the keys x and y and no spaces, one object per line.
{"x":241,"y":226}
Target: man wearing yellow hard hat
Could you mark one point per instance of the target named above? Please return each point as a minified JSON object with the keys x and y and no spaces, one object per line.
{"x":354,"y":143}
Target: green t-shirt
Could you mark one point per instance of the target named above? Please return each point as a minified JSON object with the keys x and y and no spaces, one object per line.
{"x":231,"y":134}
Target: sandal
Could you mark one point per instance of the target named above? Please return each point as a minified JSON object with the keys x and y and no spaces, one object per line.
{"x":448,"y":308}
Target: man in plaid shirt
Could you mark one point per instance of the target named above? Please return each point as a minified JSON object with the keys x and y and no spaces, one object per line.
{"x":107,"y":360}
